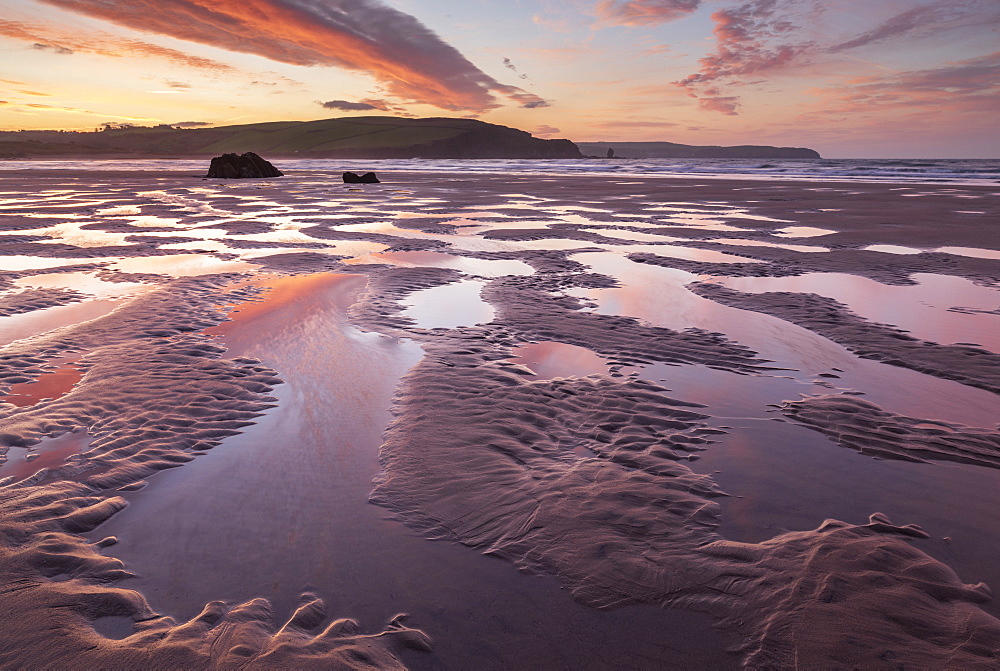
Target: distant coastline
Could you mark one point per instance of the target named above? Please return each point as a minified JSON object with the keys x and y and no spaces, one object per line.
{"x":674,"y":150}
{"x":370,"y":137}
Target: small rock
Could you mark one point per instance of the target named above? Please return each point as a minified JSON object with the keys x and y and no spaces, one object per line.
{"x":355,"y":178}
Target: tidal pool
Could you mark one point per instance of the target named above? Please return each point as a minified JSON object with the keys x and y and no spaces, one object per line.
{"x":449,"y":306}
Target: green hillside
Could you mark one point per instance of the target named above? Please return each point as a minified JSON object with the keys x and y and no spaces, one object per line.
{"x":351,"y":137}
{"x":334,"y":134}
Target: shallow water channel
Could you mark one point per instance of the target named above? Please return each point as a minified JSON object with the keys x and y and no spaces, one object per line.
{"x":283,"y":508}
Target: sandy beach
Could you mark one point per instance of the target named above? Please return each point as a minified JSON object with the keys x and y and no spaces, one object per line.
{"x":468,"y":420}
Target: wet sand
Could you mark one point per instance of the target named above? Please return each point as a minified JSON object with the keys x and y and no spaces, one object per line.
{"x":558,"y":421}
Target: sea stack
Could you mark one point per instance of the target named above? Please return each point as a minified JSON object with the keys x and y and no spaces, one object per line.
{"x":242,"y":166}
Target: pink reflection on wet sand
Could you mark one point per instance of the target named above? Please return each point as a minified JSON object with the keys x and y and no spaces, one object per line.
{"x":550,"y":359}
{"x":286,"y":297}
{"x":24,"y":325}
{"x":51,"y":453}
{"x":449,"y":306}
{"x":50,"y":384}
{"x":180,"y":265}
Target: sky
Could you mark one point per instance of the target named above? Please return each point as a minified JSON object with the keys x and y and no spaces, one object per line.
{"x":849,"y":78}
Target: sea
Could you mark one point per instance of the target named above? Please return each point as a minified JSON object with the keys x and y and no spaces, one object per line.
{"x":932,"y":171}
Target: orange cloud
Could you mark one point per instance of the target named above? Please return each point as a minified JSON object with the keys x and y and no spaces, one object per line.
{"x":102,"y":44}
{"x":411,"y":61}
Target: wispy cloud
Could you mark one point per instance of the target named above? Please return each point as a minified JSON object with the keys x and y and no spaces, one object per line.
{"x":411,"y":61}
{"x":36,"y":108}
{"x":922,"y":19}
{"x":349,"y":106}
{"x":57,"y":48}
{"x":509,"y":64}
{"x":365,"y":104}
{"x":534,"y":103}
{"x":948,"y":110}
{"x":273,"y":79}
{"x":42,"y":106}
{"x":968,"y":85}
{"x":644,"y":12}
{"x":639,"y":124}
{"x":100,"y":43}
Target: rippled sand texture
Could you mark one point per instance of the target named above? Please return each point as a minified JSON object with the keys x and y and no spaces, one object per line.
{"x":639,"y":389}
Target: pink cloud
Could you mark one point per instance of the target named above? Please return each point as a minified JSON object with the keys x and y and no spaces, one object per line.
{"x":946,"y":111}
{"x":759,"y":38}
{"x":745,"y":37}
{"x":644,"y":12}
{"x":728,"y":105}
{"x":412,"y":62}
{"x":545,"y":131}
{"x":743,"y":34}
{"x":961,"y":86}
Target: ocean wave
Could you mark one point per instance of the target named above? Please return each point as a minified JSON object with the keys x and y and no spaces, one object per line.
{"x":958,"y":171}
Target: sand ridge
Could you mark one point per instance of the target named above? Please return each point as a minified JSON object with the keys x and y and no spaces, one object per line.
{"x":831,"y":319}
{"x":863,"y":426}
{"x":879,"y":266}
{"x":35,"y":299}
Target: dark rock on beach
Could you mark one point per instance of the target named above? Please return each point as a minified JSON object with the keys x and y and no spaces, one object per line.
{"x":242,"y":166}
{"x":355,"y":178}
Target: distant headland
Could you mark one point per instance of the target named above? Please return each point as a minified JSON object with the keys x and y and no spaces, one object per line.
{"x":672,"y":150}
{"x":348,"y":137}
